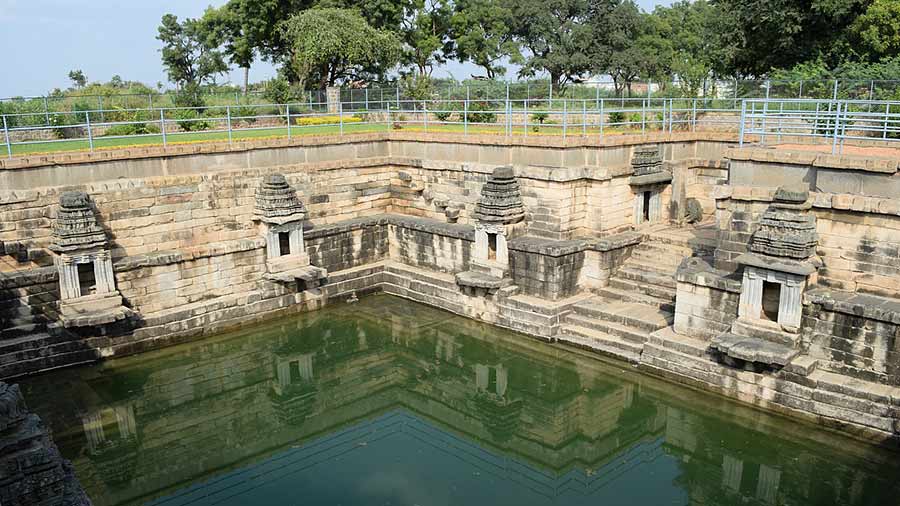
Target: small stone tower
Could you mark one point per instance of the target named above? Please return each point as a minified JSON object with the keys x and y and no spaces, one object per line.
{"x":781,"y":263}
{"x":499,"y":217}
{"x":648,"y":182}
{"x":87,"y":284}
{"x":280,"y":215}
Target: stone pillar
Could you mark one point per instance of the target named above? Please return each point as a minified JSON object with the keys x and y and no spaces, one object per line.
{"x":481,"y":244}
{"x":767,"y":485}
{"x":103,"y":273}
{"x":333,"y":97}
{"x":273,"y":248}
{"x":639,"y":208}
{"x":482,"y":377}
{"x":502,"y":250}
{"x":296,"y":240}
{"x":790,"y":307}
{"x":751,"y":295}
{"x":502,"y":380}
{"x":69,"y":287}
{"x":732,"y":471}
{"x":655,"y":206}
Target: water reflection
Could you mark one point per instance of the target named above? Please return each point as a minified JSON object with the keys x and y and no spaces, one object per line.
{"x":387,"y":402}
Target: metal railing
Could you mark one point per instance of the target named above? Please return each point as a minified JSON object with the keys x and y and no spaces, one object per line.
{"x":40,"y":107}
{"x":824,"y":121}
{"x":766,"y":119}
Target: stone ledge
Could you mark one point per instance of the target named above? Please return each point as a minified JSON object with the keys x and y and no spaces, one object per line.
{"x":814,"y":159}
{"x":193,"y":253}
{"x":855,"y":304}
{"x":698,"y":272}
{"x":548,"y":247}
{"x":28,"y":277}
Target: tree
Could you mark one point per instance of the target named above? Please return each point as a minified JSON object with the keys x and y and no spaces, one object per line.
{"x":188,"y":54}
{"x":878,"y":29}
{"x":771,"y":34}
{"x":483,"y":34}
{"x":329,"y":45}
{"x":426,"y":34}
{"x":623,"y":49}
{"x":556,"y":37}
{"x":78,"y":78}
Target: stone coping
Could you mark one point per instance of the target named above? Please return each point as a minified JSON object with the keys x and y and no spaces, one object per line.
{"x":874,"y":307}
{"x":548,"y":247}
{"x":697,"y":271}
{"x":187,"y":254}
{"x":836,"y":201}
{"x":791,"y":266}
{"x":219,"y":147}
{"x":814,"y":159}
{"x":28,"y":276}
{"x":648,"y":179}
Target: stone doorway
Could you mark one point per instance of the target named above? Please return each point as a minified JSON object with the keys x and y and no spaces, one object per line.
{"x":284,"y":243}
{"x":87,"y":282}
{"x":771,"y":300}
{"x":492,"y":246}
{"x":647,"y":206}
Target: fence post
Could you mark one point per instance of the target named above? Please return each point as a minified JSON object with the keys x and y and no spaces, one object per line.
{"x":466,"y":113}
{"x":149,"y":100}
{"x":765,"y":116}
{"x":287,"y":111}
{"x":671,"y":115}
{"x":837,"y":117}
{"x":162,"y":125}
{"x":597,"y":98}
{"x":228,"y":121}
{"x":550,"y":106}
{"x":735,"y":93}
{"x":9,"y":146}
{"x":425,"y":112}
{"x":768,"y":88}
{"x":694,"y":116}
{"x":743,"y":122}
{"x":602,"y":103}
{"x":565,"y":117}
{"x":801,"y":89}
{"x":643,"y":116}
{"x":87,"y":116}
{"x":887,"y":113}
{"x":367,"y":99}
{"x":508,"y":112}
{"x":397,"y":90}
{"x":835,"y":94}
{"x":47,"y":111}
{"x":341,"y":115}
{"x":526,"y":116}
{"x":584,"y":118}
{"x":100,"y":103}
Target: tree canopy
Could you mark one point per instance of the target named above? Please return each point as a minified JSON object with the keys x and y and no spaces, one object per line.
{"x":328,"y":45}
{"x":689,"y":41}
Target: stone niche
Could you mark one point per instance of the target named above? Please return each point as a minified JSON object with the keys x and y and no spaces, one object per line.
{"x":499,"y":217}
{"x":648,"y":182}
{"x":87,"y":283}
{"x":280,"y":215}
{"x":779,"y":267}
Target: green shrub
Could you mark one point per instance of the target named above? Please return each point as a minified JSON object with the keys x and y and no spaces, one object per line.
{"x":443,"y":115}
{"x":617,"y":117}
{"x":132,"y":129}
{"x":189,"y":120}
{"x":540,"y":117}
{"x":477,"y":113}
{"x":245,"y":113}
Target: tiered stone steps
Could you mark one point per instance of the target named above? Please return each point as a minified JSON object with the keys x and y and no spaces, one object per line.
{"x":29,"y":341}
{"x":639,"y":300}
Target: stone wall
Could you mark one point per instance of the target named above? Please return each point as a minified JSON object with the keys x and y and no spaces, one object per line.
{"x":32,"y":472}
{"x":854,"y":335}
{"x":706,"y":302}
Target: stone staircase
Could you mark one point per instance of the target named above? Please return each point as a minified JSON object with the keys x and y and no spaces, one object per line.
{"x":639,"y":300}
{"x":29,"y":340}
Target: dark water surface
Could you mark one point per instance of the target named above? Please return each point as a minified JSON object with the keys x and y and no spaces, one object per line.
{"x":387,"y":402}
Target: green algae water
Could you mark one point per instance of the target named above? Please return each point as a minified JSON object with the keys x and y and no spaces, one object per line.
{"x":387,"y":402}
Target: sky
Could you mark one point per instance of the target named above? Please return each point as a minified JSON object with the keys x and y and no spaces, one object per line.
{"x":44,"y":39}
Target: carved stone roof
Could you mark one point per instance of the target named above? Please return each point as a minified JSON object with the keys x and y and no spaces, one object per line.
{"x":646,"y":160}
{"x":76,"y":225}
{"x":787,"y":229}
{"x":501,"y":200}
{"x":277,"y":202}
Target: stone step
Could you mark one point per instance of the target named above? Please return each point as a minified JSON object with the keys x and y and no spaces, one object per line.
{"x":625,"y":332}
{"x":616,"y":294}
{"x":599,"y":342}
{"x":661,"y":261}
{"x":639,"y":316}
{"x":21,"y":329}
{"x":26,"y":354}
{"x":641,"y":274}
{"x":661,"y":248}
{"x":668,"y":339}
{"x":46,"y":363}
{"x":627,"y":285}
{"x":32,"y":341}
{"x":767,"y":331}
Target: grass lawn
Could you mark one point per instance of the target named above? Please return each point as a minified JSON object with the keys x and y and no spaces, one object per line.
{"x":102,"y":143}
